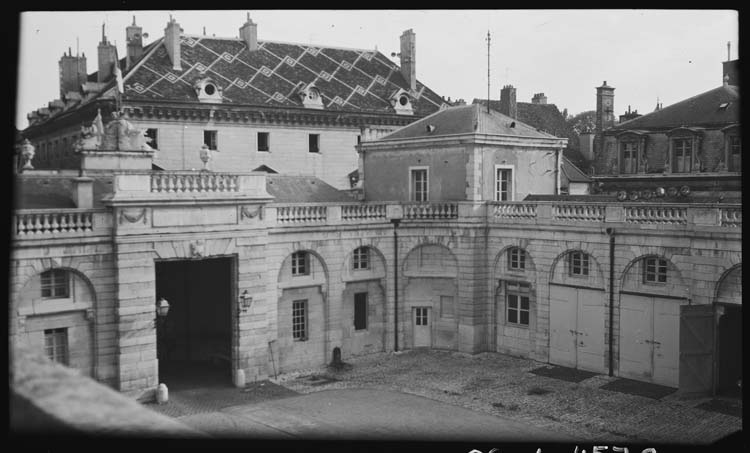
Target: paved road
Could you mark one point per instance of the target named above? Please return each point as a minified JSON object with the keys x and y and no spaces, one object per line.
{"x":363,"y":414}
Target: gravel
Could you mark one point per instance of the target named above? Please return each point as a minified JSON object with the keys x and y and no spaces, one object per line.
{"x":502,"y":385}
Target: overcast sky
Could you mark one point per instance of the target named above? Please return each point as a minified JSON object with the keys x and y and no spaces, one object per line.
{"x":565,"y":54}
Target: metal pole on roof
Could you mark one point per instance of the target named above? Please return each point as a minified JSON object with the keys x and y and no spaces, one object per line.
{"x":488,"y":71}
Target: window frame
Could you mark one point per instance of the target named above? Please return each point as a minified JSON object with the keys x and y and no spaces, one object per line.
{"x":519,"y":291}
{"x":310,"y":143}
{"x":412,"y":183}
{"x":731,"y":166}
{"x":580,"y":269}
{"x":519,"y":259}
{"x":443,"y":313}
{"x":421,"y":316}
{"x":300,"y":324}
{"x":511,"y":189}
{"x":361,"y":258}
{"x":56,"y":278}
{"x":268,"y":142}
{"x":632,"y":147}
{"x":687,"y":147}
{"x":212,"y":133}
{"x":363,"y":311}
{"x":300,"y":263}
{"x":57,"y":345}
{"x":660,"y":268}
{"x":152,"y":139}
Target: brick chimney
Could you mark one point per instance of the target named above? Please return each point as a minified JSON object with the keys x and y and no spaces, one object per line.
{"x":72,"y":72}
{"x":539,"y":98}
{"x":134,"y":40}
{"x":409,"y":58}
{"x":508,"y":104}
{"x":249,"y":34}
{"x":172,"y":43}
{"x":107,"y":58}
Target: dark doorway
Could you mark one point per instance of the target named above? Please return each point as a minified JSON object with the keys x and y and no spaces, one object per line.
{"x":730,"y":352}
{"x":194,"y":340}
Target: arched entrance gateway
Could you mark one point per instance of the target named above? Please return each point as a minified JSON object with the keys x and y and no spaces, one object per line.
{"x":729,"y":337}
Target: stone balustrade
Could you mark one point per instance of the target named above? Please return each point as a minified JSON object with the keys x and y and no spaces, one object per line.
{"x":430,"y":211}
{"x":177,"y":185}
{"x":579,"y":212}
{"x":514,"y":210}
{"x":656,"y":214}
{"x":41,"y":223}
{"x":731,"y":217}
{"x":301,"y":214}
{"x":181,"y":182}
{"x":363,"y":211}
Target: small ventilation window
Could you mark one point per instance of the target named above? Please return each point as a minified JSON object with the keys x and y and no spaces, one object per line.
{"x":403,"y":100}
{"x":724,"y":105}
{"x":209,"y":89}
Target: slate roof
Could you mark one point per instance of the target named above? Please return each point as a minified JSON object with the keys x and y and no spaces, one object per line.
{"x":55,"y":191}
{"x":573,"y":173}
{"x":701,"y":110}
{"x":289,"y":189}
{"x":348,"y":79}
{"x":465,"y":119}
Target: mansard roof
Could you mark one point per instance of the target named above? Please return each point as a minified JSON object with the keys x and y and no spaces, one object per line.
{"x":466,"y":119}
{"x":717,"y":107}
{"x":348,"y":79}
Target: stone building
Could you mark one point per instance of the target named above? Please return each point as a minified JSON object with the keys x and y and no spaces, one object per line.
{"x":137,"y":276}
{"x":293,"y":108}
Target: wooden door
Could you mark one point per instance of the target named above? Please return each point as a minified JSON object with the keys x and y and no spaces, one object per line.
{"x":563,"y":320}
{"x":636,"y":335}
{"x":422,"y":327}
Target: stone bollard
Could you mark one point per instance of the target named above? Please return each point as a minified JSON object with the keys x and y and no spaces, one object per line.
{"x":336,"y":362}
{"x":239,"y":378}
{"x":162,"y":394}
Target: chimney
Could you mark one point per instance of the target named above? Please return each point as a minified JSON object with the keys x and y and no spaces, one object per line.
{"x":172,"y":43}
{"x":508,"y":104}
{"x":539,"y":98}
{"x":134,"y":42}
{"x":249,"y":34}
{"x":731,"y":72}
{"x":409,"y":58}
{"x":107,"y":59}
{"x":72,"y":73}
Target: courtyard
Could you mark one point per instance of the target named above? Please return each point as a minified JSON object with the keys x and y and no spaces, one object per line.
{"x":426,"y":394}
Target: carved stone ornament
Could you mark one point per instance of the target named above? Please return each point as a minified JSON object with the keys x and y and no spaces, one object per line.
{"x":118,"y":134}
{"x":27,"y":152}
{"x":198,"y":248}
{"x":132,"y":218}
{"x":89,"y":314}
{"x":247,"y":213}
{"x":205,"y":155}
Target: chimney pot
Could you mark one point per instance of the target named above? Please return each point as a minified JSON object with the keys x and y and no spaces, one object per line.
{"x":408,"y":57}
{"x":172,"y":43}
{"x":249,"y":34}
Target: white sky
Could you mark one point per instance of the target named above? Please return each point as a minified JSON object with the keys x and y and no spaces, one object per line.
{"x":564,"y":54}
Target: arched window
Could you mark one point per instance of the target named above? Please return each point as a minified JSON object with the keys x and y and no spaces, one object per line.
{"x":361,"y":258}
{"x":55,"y":284}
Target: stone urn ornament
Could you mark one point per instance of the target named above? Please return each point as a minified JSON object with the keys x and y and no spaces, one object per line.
{"x":205,"y":154}
{"x":27,"y":153}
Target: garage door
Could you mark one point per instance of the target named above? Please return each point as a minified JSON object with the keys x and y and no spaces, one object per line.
{"x":649,"y":338}
{"x":577,"y":327}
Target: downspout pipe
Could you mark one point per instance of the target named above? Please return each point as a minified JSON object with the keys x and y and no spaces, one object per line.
{"x":395,"y":283}
{"x":611,"y":234}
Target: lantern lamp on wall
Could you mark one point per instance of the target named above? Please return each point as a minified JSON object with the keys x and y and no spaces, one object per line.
{"x":245,"y":301}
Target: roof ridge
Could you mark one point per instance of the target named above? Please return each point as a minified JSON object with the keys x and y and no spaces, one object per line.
{"x":262,"y":41}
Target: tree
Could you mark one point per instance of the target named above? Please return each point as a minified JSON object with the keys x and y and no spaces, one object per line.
{"x":583,"y":122}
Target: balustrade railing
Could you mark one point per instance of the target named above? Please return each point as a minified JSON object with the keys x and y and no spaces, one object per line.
{"x":661,"y":215}
{"x":429,"y":211}
{"x":362,"y":211}
{"x":578,"y":212}
{"x":287,"y":215}
{"x":53,"y":222}
{"x":514,"y":211}
{"x":200,"y":182}
{"x":731,"y":217}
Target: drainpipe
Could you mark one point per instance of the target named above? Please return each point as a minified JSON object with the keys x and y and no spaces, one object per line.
{"x":611,"y":234}
{"x":558,"y":165}
{"x":395,"y":283}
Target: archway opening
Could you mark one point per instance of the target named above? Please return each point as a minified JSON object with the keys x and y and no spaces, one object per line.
{"x":194,"y":340}
{"x":730,"y":353}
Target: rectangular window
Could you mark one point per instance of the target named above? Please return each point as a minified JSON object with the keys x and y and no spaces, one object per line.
{"x":579,"y":264}
{"x":314,"y":140}
{"x":56,"y":345}
{"x":447,"y":309}
{"x":683,"y":155}
{"x":360,"y":311}
{"x":264,"y":141}
{"x":299,"y":264}
{"x":504,"y":184}
{"x":299,"y":320}
{"x":655,"y":270}
{"x":419,"y":185}
{"x":55,"y":284}
{"x":361,"y":258}
{"x":210,"y":139}
{"x":517,"y":303}
{"x":421,"y":316}
{"x":735,"y":153}
{"x":629,"y":161}
{"x":516,"y":259}
{"x":152,"y":136}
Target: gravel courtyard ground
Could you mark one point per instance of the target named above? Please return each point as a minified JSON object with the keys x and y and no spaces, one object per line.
{"x":502,"y":385}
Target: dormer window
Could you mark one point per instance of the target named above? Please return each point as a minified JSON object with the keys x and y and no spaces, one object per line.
{"x":310,"y":97}
{"x":207,"y":90}
{"x":733,"y":148}
{"x":684,"y":150}
{"x":401,"y":102}
{"x":632,"y":156}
